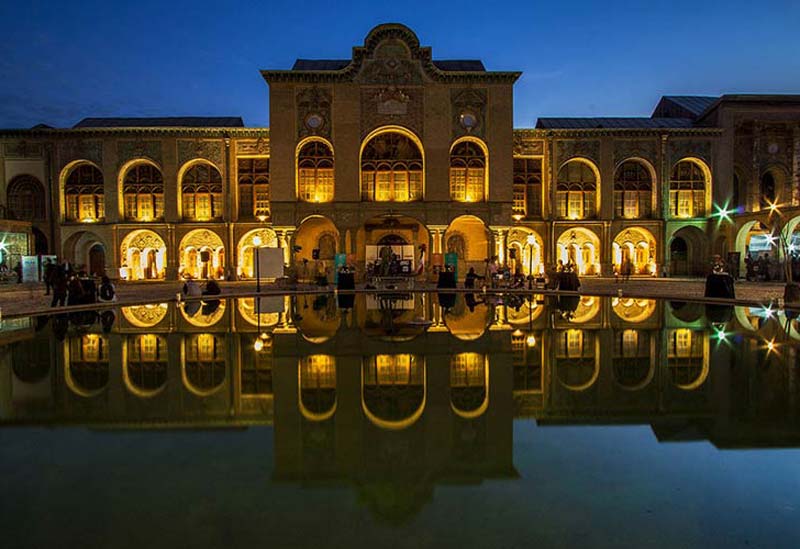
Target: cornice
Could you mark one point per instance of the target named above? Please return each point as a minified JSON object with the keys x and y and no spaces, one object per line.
{"x":138,"y":131}
{"x":536,"y":133}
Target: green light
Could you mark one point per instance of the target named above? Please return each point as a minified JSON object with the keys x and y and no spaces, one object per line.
{"x":723,"y":212}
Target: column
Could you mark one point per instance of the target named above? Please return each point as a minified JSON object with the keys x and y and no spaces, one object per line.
{"x":796,"y":167}
{"x":499,"y":234}
{"x":754,"y":196}
{"x":437,"y":237}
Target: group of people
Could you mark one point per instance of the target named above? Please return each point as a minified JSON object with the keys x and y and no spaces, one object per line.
{"x":70,"y":287}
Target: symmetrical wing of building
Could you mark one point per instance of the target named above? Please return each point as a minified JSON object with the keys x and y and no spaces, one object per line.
{"x":394,"y":148}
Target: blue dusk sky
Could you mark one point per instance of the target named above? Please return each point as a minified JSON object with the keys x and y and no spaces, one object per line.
{"x":62,"y":61}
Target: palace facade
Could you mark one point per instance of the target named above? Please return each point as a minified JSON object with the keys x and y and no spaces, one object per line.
{"x":393,"y":147}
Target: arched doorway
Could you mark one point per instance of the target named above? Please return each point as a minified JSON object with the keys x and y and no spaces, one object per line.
{"x":402,"y":234}
{"x":318,"y":242}
{"x":525,"y":251}
{"x":97,"y":260}
{"x":581,"y":248}
{"x":637,"y":246}
{"x":688,"y":252}
{"x":265,"y":238}
{"x":202,"y":255}
{"x":468,"y":238}
{"x":143,"y":256}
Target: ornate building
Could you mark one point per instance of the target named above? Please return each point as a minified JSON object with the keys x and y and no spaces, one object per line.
{"x":392,"y":147}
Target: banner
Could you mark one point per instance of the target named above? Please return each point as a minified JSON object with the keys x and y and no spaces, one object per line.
{"x":339,"y":262}
{"x":30,"y":268}
{"x":451,"y":260}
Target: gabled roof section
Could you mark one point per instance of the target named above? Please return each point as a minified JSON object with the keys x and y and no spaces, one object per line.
{"x":163,"y":122}
{"x":612,"y":123}
{"x":683,"y":106}
{"x":391,"y":55}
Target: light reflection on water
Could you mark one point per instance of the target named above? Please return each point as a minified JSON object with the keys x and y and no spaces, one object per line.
{"x":322,"y":421}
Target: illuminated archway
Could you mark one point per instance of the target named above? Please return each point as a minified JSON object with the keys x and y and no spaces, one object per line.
{"x":637,"y":246}
{"x":82,"y":192}
{"x":469,"y":170}
{"x":468,"y":237}
{"x":145,"y":316}
{"x":248,"y":309}
{"x":143,"y":256}
{"x":392,"y":161}
{"x":690,"y":189}
{"x":202,"y":255}
{"x":581,"y":248}
{"x":525,"y":251}
{"x":469,"y":384}
{"x":318,"y":240}
{"x":587,"y":309}
{"x":316,"y":387}
{"x":265,"y":238}
{"x":393,"y":390}
{"x":208,"y":314}
{"x":633,"y":310}
{"x":468,"y":321}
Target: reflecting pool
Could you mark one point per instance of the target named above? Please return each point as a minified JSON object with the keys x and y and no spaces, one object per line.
{"x":405,"y":420}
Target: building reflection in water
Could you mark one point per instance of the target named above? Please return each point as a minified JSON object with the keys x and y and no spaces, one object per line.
{"x":399,"y":394}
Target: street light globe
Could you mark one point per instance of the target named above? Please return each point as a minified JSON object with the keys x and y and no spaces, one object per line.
{"x":257,"y":240}
{"x":258,"y":345}
{"x":531,"y":341}
{"x":531,"y":240}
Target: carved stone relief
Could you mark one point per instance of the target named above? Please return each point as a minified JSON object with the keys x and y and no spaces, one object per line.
{"x":259,"y":146}
{"x":189,"y":149}
{"x":80,"y":149}
{"x":682,"y":148}
{"x":646,"y":149}
{"x":23,"y":149}
{"x":314,"y":112}
{"x":467,"y":102}
{"x":566,"y":149}
{"x":132,"y":149}
{"x":527,"y":147}
{"x":391,"y":105}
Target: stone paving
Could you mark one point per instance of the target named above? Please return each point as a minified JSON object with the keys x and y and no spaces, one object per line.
{"x":29,"y":298}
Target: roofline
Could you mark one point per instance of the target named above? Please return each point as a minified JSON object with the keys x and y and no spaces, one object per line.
{"x":599,"y":132}
{"x":749,"y":98}
{"x":223,"y":131}
{"x":347,"y":74}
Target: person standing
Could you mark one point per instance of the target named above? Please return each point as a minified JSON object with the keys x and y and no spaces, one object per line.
{"x":107,"y":292}
{"x":59,"y":282}
{"x":48,"y":276}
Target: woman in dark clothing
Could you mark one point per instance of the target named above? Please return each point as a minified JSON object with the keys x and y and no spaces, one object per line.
{"x":59,"y":282}
{"x":75,"y":289}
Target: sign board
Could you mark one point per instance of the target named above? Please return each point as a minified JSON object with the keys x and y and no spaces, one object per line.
{"x":30,"y":268}
{"x":339,"y":261}
{"x":451,"y":260}
{"x":270,"y":262}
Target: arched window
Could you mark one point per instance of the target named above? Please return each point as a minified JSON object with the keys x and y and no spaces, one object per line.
{"x":26,"y":200}
{"x":467,"y":172}
{"x":83,"y":194}
{"x":201,"y":191}
{"x":527,"y":187}
{"x":633,"y":191}
{"x":143,"y":191}
{"x":315,"y":172}
{"x":687,"y":190}
{"x":254,"y":188}
{"x":767,"y":194}
{"x":576,"y":190}
{"x":391,"y":169}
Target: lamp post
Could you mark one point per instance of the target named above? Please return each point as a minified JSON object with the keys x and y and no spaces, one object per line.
{"x":257,"y":243}
{"x":531,"y":243}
